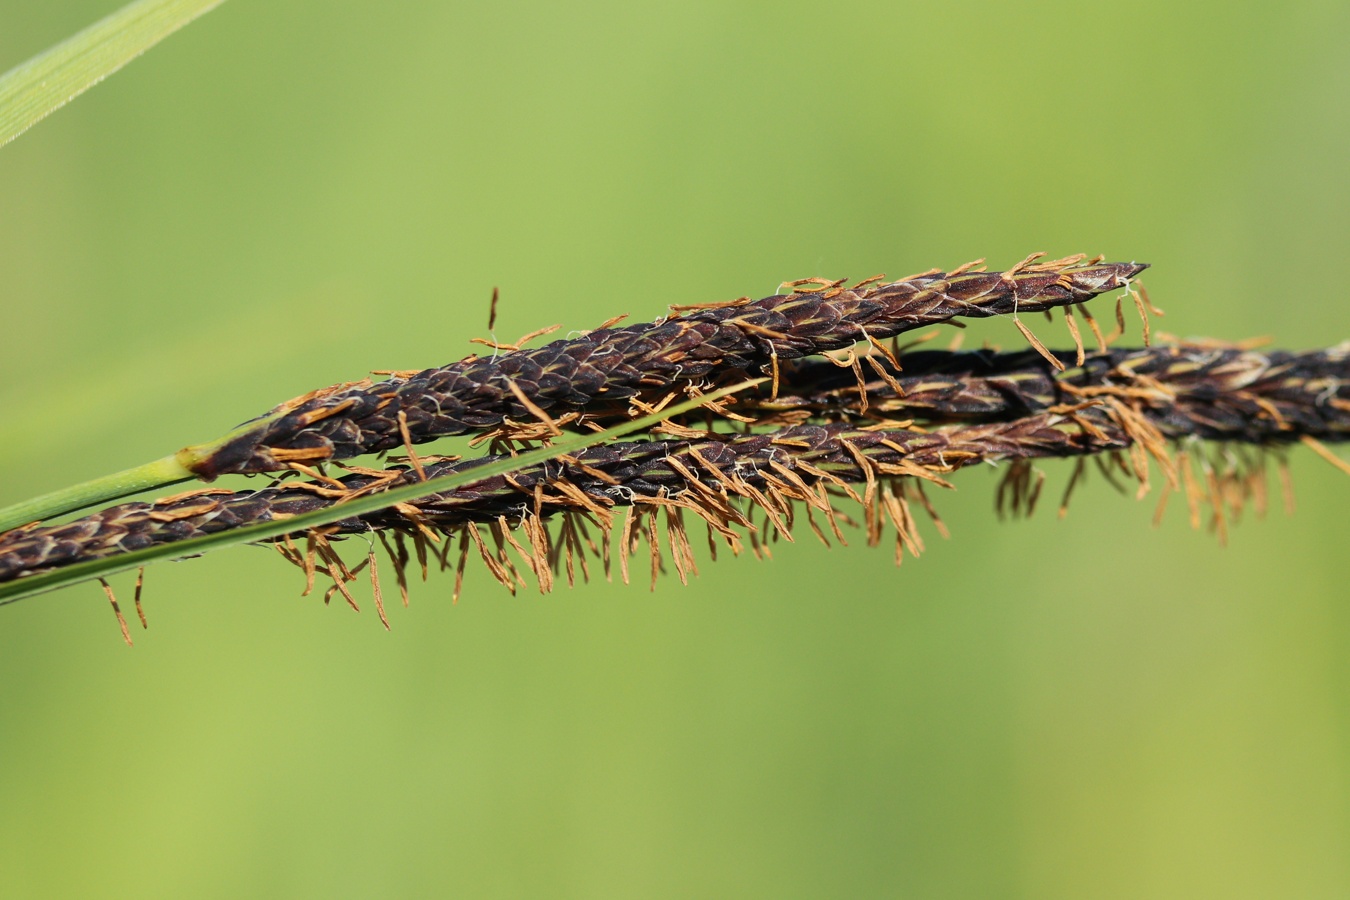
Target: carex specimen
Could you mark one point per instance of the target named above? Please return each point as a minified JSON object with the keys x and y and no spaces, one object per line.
{"x":981,"y":406}
{"x":838,"y":415}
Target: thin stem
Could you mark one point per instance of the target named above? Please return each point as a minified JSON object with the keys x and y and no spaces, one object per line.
{"x":161,"y":472}
{"x":173,"y":469}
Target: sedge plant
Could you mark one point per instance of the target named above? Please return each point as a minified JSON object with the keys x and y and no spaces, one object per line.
{"x":746,"y":417}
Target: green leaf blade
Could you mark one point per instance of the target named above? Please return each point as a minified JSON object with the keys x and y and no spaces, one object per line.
{"x":35,"y":89}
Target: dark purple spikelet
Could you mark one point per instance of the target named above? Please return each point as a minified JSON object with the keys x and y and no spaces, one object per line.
{"x":1207,"y":391}
{"x":977,"y":407}
{"x":599,"y":372}
{"x":789,"y":461}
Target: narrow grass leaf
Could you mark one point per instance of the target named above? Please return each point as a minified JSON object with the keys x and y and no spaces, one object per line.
{"x":34,"y":90}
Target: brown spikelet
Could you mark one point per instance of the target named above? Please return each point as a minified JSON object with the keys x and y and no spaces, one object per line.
{"x":1093,"y":326}
{"x":702,"y":475}
{"x":117,"y":611}
{"x":1079,"y":353}
{"x":1321,"y":450}
{"x":375,"y":588}
{"x":599,"y":372}
{"x":924,"y":415}
{"x":460,"y":563}
{"x":399,"y":562}
{"x":140,"y":583}
{"x":1182,"y":390}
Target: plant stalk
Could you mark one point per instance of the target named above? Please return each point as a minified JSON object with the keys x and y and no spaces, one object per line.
{"x":161,"y":472}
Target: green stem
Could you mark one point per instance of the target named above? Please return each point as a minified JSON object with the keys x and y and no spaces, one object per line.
{"x":161,"y":472}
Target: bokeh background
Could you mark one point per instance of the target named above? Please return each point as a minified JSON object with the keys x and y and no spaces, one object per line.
{"x":288,"y":195}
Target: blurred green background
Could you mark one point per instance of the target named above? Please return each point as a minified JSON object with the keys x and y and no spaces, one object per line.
{"x":288,"y":195}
